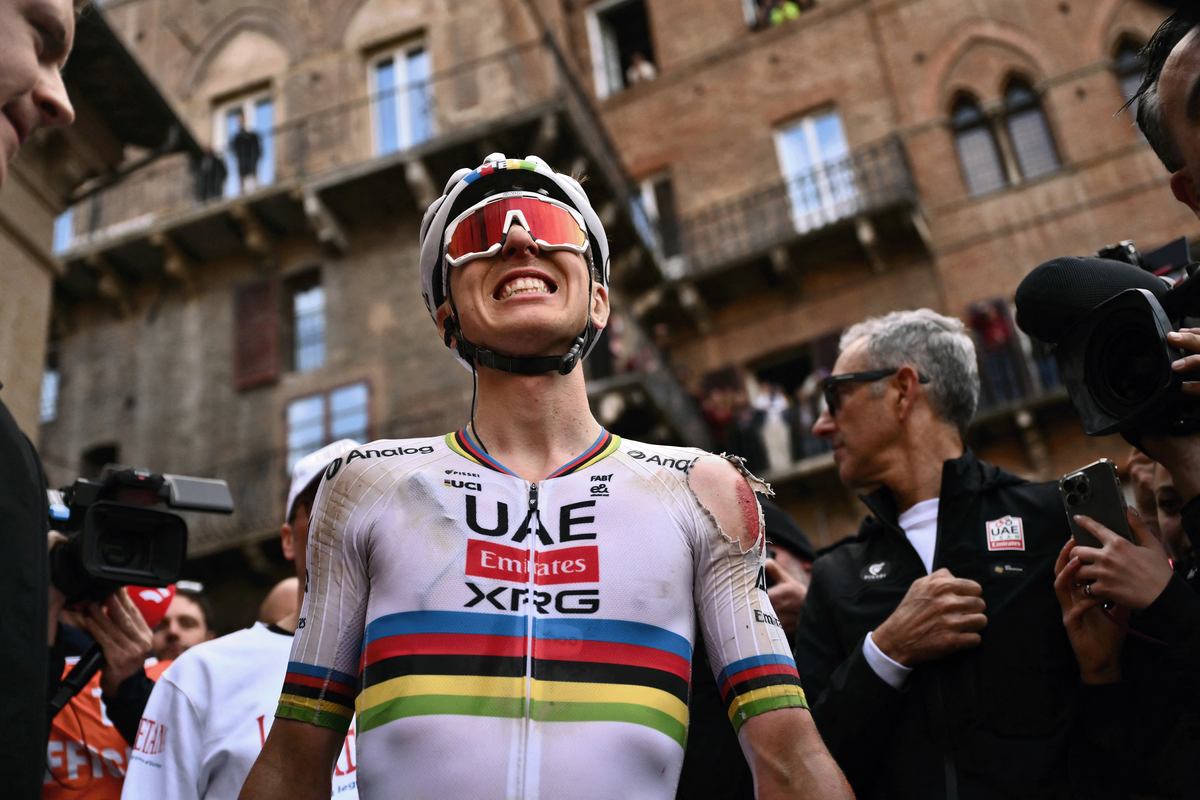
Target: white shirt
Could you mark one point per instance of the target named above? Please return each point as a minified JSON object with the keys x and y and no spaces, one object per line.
{"x":208,"y":717}
{"x":920,"y":526}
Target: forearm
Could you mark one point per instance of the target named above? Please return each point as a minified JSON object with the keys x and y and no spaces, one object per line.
{"x":126,"y":706}
{"x":296,"y":762}
{"x":788,"y":758}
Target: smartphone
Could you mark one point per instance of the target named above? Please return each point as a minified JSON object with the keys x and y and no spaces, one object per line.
{"x":1095,"y":491}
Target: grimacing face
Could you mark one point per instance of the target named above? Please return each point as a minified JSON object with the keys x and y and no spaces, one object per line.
{"x":525,"y":301}
{"x":35,"y":38}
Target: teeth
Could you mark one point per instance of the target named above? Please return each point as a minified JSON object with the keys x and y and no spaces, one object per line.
{"x":522,"y":285}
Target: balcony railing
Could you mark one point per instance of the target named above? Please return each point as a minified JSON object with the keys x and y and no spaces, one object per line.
{"x":401,"y":121}
{"x":868,"y":180}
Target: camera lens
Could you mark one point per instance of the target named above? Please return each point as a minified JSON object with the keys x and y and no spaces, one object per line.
{"x":1125,"y":365}
{"x":121,"y":549}
{"x":1073,"y":499}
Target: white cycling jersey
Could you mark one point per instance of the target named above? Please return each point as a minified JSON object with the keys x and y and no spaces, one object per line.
{"x":506,"y":639}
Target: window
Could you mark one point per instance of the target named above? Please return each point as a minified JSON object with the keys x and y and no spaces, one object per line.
{"x":1028,"y":132}
{"x":256,"y":334}
{"x":619,"y":38}
{"x":400,"y":100}
{"x":308,"y":321}
{"x":249,"y":157}
{"x":319,"y":419}
{"x":816,"y":166}
{"x":1130,"y":67}
{"x":976,"y":145}
{"x":48,"y":408}
{"x":658,"y":200}
{"x":64,"y":231}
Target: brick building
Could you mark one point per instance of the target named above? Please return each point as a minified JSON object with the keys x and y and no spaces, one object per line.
{"x":766,"y":185}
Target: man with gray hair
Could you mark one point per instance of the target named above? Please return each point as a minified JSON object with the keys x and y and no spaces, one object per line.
{"x":931,"y":643}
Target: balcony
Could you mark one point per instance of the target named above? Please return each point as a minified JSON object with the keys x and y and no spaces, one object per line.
{"x":367,"y":159}
{"x":869,"y":182}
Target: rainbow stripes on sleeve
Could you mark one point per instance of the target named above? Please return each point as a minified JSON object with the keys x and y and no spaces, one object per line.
{"x":758,"y":684}
{"x":317,"y":695}
{"x":452,"y":662}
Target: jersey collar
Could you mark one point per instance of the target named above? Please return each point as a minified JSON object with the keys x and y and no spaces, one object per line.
{"x":461,"y":442}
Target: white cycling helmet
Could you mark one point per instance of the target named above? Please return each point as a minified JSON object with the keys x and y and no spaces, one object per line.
{"x":466,"y":189}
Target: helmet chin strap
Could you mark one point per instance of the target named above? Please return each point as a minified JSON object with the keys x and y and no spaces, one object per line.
{"x":518,"y":365}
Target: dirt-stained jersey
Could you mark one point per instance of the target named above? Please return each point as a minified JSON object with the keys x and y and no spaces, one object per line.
{"x":506,"y":639}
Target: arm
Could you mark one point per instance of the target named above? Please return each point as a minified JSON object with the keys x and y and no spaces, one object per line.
{"x":755,"y":672}
{"x":296,"y":762}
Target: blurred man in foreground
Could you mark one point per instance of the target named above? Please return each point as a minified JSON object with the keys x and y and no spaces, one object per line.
{"x":35,"y":38}
{"x":211,"y":711}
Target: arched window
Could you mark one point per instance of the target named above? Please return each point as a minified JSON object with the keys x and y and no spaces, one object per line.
{"x":1028,"y":132}
{"x":976,"y":144}
{"x":1130,"y":68}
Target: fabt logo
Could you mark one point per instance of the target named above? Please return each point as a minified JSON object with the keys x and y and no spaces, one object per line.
{"x":501,"y":562}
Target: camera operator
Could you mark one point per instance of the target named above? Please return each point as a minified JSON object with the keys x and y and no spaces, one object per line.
{"x":35,"y":38}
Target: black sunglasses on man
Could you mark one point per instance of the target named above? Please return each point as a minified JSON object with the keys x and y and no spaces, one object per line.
{"x":833,"y":396}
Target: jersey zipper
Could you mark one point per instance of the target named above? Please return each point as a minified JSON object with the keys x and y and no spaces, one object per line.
{"x":522,"y":777}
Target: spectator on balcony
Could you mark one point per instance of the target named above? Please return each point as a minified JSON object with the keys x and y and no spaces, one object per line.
{"x":772,"y":406}
{"x":641,"y":70}
{"x":996,"y":337}
{"x":808,"y":406}
{"x":247,"y":150}
{"x":210,"y":175}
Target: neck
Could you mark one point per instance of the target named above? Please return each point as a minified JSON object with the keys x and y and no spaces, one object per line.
{"x":289,"y":622}
{"x":533,"y":424}
{"x":916,"y":469}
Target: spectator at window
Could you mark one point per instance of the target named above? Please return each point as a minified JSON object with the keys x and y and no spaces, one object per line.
{"x":641,"y":70}
{"x":247,"y":150}
{"x":996,"y":337}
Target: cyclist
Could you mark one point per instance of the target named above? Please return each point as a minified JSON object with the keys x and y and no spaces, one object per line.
{"x":510,"y":608}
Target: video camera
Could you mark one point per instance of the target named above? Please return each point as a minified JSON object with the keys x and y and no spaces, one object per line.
{"x":1108,"y":316}
{"x":114,"y":537}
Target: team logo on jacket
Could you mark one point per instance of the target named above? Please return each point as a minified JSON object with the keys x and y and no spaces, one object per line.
{"x":562,"y":565}
{"x":1006,"y":533}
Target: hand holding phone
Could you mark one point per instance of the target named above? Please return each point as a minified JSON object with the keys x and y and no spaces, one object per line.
{"x":1095,"y":491}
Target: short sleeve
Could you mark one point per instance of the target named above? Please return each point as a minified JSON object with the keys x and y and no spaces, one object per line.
{"x":750,"y":655}
{"x":168,"y":749}
{"x":322,"y":674}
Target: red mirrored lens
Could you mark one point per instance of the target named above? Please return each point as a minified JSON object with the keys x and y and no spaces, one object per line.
{"x":548,"y":222}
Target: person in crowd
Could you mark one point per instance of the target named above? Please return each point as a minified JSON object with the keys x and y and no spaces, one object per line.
{"x":212,"y":709}
{"x":996,"y":334}
{"x":713,"y":765}
{"x":772,"y":406}
{"x":187,"y":623}
{"x":210,"y":171}
{"x":280,"y":602}
{"x":35,"y":40}
{"x":641,"y":70}
{"x":1141,"y":469}
{"x":918,"y":635}
{"x":247,"y":150}
{"x":90,"y":738}
{"x":547,"y":636}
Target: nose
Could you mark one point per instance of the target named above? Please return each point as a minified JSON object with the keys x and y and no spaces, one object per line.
{"x":50,"y":97}
{"x":824,"y":427}
{"x":519,"y":242}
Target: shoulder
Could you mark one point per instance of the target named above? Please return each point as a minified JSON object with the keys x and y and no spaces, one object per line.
{"x":378,"y":464}
{"x":727,"y":490}
{"x":660,"y":458}
{"x":200,"y":665}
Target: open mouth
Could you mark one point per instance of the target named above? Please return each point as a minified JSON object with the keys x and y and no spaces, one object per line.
{"x":524,"y":284}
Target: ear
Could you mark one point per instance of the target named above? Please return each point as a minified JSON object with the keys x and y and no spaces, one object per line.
{"x":1184,"y":187}
{"x":908,"y":383}
{"x":600,"y":307}
{"x":287,"y":539}
{"x":443,"y":314}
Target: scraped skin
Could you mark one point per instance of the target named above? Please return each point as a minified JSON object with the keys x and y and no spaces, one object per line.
{"x":783,"y":747}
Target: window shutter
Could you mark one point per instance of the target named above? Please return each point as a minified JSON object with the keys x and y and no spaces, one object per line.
{"x":256,"y":337}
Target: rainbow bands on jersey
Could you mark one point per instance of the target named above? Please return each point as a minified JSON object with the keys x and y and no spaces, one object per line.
{"x":479,"y":231}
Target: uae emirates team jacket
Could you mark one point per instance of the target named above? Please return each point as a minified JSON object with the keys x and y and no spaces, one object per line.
{"x":993,"y":721}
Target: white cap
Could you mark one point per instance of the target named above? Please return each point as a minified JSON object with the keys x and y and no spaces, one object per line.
{"x":309,"y":468}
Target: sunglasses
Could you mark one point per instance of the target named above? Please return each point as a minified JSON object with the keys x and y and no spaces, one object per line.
{"x":479,"y":231}
{"x":833,"y":395}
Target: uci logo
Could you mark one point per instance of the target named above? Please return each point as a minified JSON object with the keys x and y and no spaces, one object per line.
{"x":874,"y":572}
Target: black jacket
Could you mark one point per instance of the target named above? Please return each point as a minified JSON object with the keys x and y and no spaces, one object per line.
{"x":994,"y":721}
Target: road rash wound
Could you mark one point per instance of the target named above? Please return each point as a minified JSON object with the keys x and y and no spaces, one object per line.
{"x":739,"y":507}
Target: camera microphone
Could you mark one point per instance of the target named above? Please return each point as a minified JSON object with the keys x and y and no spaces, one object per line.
{"x":1059,"y":293}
